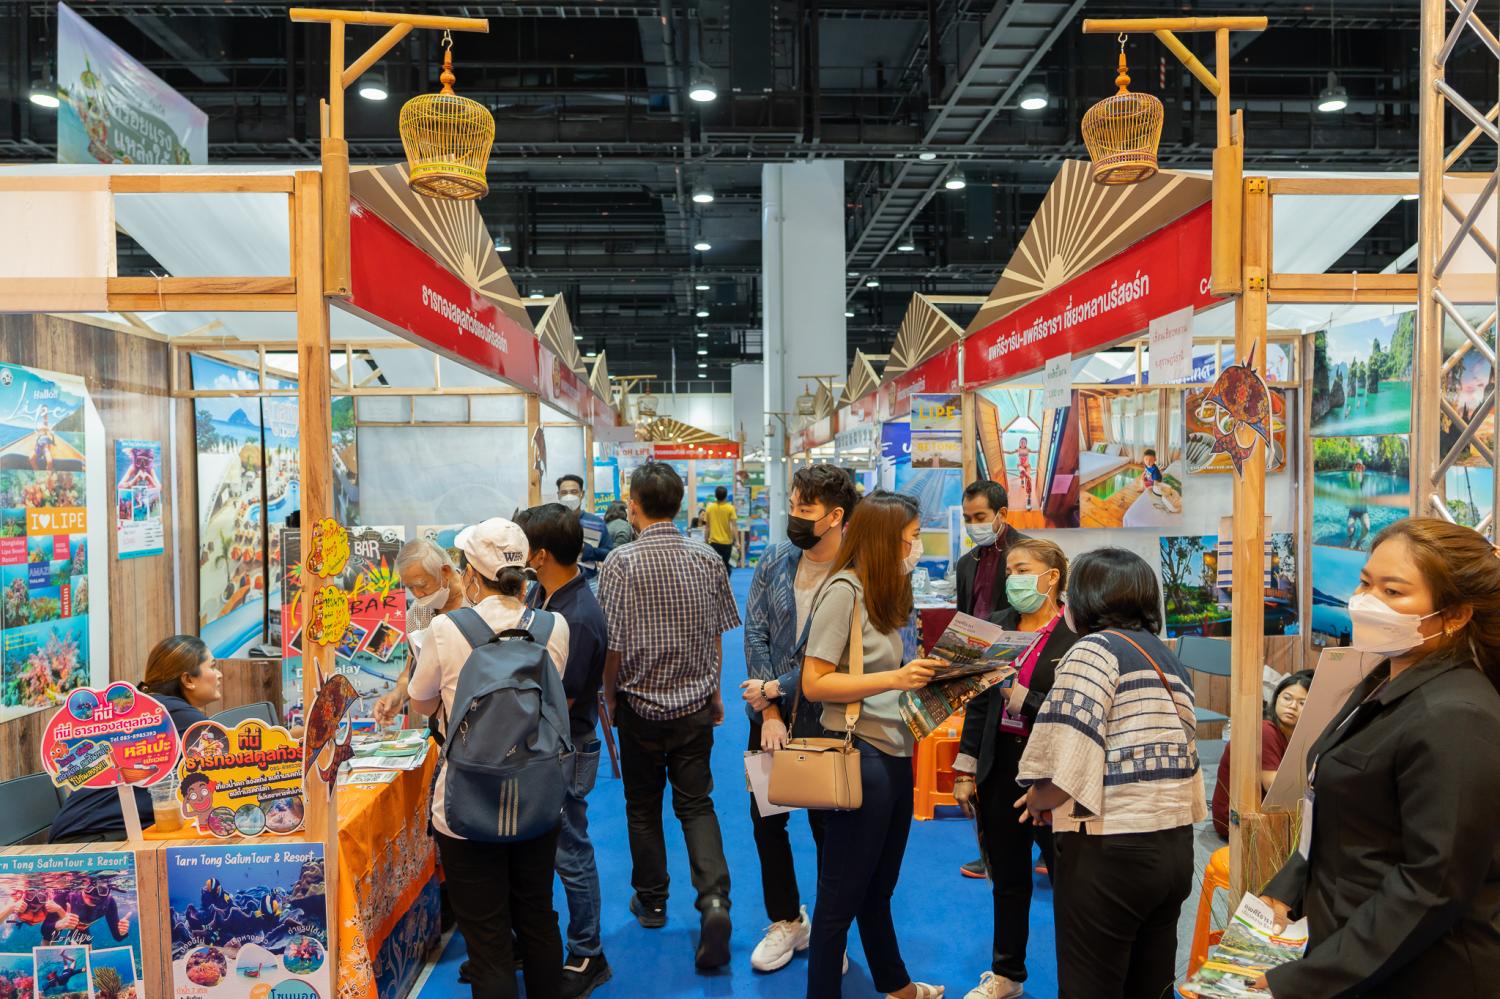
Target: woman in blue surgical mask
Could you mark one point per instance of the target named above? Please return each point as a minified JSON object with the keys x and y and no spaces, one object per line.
{"x":996,"y":724}
{"x":1398,"y":867}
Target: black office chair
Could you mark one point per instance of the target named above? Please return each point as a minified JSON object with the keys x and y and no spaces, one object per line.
{"x":31,"y":803}
{"x":1205,"y":655}
{"x":260,"y":711}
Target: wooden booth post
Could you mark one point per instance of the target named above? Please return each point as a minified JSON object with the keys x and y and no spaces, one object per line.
{"x":535,"y":449}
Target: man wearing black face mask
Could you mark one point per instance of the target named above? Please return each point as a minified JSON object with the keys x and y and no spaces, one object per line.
{"x":776,"y":613}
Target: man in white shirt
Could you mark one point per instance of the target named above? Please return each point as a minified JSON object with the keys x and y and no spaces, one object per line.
{"x":497,"y":889}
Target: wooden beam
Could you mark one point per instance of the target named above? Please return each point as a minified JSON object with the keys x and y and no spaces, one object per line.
{"x":169,"y":286}
{"x":435,"y":22}
{"x":373,"y":53}
{"x":201,"y":183}
{"x":1132,"y":25}
{"x":1342,"y":185}
{"x":1376,"y":289}
{"x":201,"y":303}
{"x":533,"y":474}
{"x":1193,"y":63}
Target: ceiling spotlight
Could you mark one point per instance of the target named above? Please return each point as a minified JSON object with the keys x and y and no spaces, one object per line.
{"x":703,"y":195}
{"x":702,"y":89}
{"x":44,"y":94}
{"x":1409,"y":197}
{"x":701,"y":313}
{"x":372,"y":86}
{"x":1334,"y":97}
{"x":702,"y":374}
{"x":502,"y":245}
{"x":873,"y":283}
{"x":702,"y":364}
{"x":702,"y":353}
{"x":927,"y":155}
{"x":536,"y":294}
{"x":906,"y":246}
{"x":701,"y":286}
{"x":956,"y":181}
{"x":703,"y":246}
{"x":702,"y":335}
{"x":848,"y":314}
{"x":577,"y":336}
{"x":1033,"y":97}
{"x":590,"y":355}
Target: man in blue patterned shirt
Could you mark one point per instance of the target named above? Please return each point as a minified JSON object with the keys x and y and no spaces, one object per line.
{"x":668,"y":603}
{"x":781,"y":596}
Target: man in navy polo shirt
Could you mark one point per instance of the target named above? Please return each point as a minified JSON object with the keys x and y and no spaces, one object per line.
{"x":556,"y":540}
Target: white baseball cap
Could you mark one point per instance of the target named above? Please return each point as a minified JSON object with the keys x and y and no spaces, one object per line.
{"x":492,"y":545}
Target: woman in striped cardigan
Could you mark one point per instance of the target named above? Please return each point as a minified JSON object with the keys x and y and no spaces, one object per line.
{"x":1112,"y":765}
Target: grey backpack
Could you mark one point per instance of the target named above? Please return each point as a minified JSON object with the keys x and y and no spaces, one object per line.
{"x":508,"y":736}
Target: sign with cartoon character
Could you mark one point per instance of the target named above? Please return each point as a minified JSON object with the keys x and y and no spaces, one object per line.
{"x":241,"y":781}
{"x":109,"y":738}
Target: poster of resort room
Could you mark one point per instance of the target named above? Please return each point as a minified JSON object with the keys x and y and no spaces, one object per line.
{"x":1033,"y":452}
{"x":1130,"y":457}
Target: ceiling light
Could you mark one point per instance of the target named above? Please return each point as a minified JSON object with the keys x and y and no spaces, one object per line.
{"x":1409,"y":197}
{"x":873,"y":283}
{"x":702,"y":335}
{"x":1334,"y":97}
{"x":44,"y":94}
{"x":702,"y":364}
{"x":905,"y":246}
{"x":702,"y":374}
{"x":577,"y":336}
{"x":927,"y":155}
{"x":702,"y":313}
{"x":956,"y":181}
{"x":703,"y":246}
{"x":590,"y":355}
{"x":701,"y":286}
{"x":372,"y":86}
{"x":703,"y":195}
{"x":1033,"y":97}
{"x":702,"y":353}
{"x":703,"y":89}
{"x":502,"y":245}
{"x":851,"y":273}
{"x":848,"y":314}
{"x":536,"y":294}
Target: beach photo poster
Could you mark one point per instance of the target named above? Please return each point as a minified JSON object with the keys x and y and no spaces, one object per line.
{"x":71,"y":920}
{"x":1129,"y":458}
{"x":1360,"y":485}
{"x":1334,"y":578}
{"x":1361,"y":377}
{"x":1033,"y":452}
{"x":246,"y":919}
{"x":138,"y":499}
{"x":44,"y":564}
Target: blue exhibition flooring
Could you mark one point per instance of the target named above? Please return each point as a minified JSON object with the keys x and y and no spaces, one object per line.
{"x":943,"y":918}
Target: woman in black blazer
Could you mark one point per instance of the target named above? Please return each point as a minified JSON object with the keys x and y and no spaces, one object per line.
{"x":1400,"y":882}
{"x":996,"y":724}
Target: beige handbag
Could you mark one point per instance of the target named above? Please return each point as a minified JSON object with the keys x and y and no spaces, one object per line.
{"x":823,"y":772}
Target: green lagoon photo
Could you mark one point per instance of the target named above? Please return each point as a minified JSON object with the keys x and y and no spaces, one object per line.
{"x":1362,"y":377}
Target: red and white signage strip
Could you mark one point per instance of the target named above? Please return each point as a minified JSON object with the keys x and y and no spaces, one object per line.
{"x":813,"y":435}
{"x":689,"y":452}
{"x":1166,"y":271}
{"x":562,"y":389}
{"x":939,"y":373}
{"x":398,"y":287}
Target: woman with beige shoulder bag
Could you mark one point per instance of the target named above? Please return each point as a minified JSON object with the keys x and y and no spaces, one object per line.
{"x":862,"y":847}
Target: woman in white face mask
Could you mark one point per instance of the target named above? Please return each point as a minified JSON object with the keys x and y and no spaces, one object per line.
{"x":1398,"y":872}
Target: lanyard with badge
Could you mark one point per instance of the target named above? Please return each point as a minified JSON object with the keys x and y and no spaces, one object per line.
{"x":1304,"y":841}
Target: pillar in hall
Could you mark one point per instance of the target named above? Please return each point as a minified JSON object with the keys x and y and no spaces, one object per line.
{"x":802,"y":275}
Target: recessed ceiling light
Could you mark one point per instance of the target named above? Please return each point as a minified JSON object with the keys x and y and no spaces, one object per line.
{"x":926,"y":155}
{"x":702,"y":313}
{"x":703,"y":246}
{"x":873,"y":283}
{"x":956,"y":181}
{"x":703,"y":195}
{"x":906,"y":246}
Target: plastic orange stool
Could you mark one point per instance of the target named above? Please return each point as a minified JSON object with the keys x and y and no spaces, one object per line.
{"x":1215,"y":878}
{"x":932,"y":768}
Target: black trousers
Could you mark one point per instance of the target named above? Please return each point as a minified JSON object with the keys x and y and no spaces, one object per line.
{"x":1117,"y":899}
{"x":1007,"y":850}
{"x":726,"y":552}
{"x":778,"y":874}
{"x":499,"y":890}
{"x":653,"y":753}
{"x":857,"y":871}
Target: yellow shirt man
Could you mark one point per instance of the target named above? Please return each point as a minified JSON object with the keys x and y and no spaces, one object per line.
{"x":722,"y":520}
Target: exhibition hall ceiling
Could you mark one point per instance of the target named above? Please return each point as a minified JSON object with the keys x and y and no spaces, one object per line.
{"x":599,"y":151}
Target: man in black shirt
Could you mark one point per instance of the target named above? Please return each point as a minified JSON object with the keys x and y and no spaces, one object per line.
{"x":556,"y":541}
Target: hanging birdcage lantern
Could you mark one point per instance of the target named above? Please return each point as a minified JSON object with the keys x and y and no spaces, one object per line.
{"x":645,"y":406}
{"x":1122,"y":132}
{"x":447,"y":139}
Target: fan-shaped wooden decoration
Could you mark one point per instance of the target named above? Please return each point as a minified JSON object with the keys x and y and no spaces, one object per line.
{"x":824,"y":401}
{"x":862,"y":379}
{"x":451,"y":232}
{"x":599,"y":380}
{"x":1081,"y":224}
{"x":669,"y":430}
{"x":925,"y":330}
{"x":555,"y":331}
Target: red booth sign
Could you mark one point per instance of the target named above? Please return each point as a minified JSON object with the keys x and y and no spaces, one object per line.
{"x":562,"y":389}
{"x":939,"y":373}
{"x":398,"y":287}
{"x":689,"y":452}
{"x":1166,"y":271}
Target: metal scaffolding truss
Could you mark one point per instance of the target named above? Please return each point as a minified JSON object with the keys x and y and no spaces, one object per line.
{"x":1456,"y":265}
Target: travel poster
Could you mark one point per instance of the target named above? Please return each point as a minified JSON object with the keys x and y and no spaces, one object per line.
{"x":1360,"y":485}
{"x":1361,"y":377}
{"x":110,"y":737}
{"x":1033,"y":452}
{"x":44,"y":622}
{"x":138,"y":517}
{"x":1197,"y":584}
{"x":1334,"y":578}
{"x":937,"y":430}
{"x":245,"y":780}
{"x":248,"y":921}
{"x":373,"y":651}
{"x":71,"y":921}
{"x":1465,"y":386}
{"x":1471,"y":493}
{"x":1203,"y":428}
{"x":1131,"y":473}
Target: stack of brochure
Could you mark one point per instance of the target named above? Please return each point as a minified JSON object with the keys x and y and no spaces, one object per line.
{"x":404,"y":750}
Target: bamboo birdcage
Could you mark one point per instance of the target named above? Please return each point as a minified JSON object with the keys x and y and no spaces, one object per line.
{"x":1122,"y":132}
{"x":447,"y":139}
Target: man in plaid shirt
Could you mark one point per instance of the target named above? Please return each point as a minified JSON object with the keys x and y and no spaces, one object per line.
{"x":668,"y":603}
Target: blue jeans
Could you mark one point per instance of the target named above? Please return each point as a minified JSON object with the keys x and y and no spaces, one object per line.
{"x":858,"y":865}
{"x":575,"y":854}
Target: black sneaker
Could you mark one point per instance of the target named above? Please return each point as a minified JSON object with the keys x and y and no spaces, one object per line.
{"x":652,"y":917}
{"x":975,"y":869}
{"x":713,"y":935}
{"x":582,"y":975}
{"x":463,"y":973}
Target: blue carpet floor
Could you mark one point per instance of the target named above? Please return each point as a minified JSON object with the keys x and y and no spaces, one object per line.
{"x":943,"y":919}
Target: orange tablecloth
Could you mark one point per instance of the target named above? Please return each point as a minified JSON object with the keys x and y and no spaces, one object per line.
{"x":385,"y":860}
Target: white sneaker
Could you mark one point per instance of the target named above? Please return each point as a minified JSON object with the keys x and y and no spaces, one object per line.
{"x":993,"y":986}
{"x":781,"y":941}
{"x":846,"y":962}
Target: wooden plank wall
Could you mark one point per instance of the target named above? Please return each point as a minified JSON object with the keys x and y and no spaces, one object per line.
{"x":1284,"y":653}
{"x":127,"y":380}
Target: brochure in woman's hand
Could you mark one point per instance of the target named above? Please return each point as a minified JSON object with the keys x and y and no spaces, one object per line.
{"x":1250,"y":947}
{"x":979,"y":656}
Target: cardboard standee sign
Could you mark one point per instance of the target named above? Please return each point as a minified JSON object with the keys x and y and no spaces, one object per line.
{"x":241,"y":781}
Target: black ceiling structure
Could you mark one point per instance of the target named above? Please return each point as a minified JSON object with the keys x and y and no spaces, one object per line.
{"x":598,"y":149}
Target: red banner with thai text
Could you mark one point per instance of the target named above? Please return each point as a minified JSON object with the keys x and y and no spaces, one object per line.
{"x":1166,"y":271}
{"x":688,"y":452}
{"x":939,"y":373}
